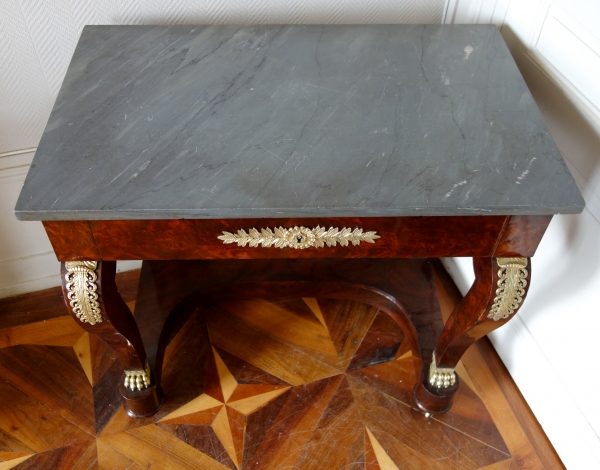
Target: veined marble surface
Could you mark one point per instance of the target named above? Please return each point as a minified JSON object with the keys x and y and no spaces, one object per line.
{"x":292,"y":121}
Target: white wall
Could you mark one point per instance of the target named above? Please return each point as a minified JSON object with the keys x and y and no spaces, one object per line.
{"x":550,"y":347}
{"x":26,"y":256}
{"x":37,"y":39}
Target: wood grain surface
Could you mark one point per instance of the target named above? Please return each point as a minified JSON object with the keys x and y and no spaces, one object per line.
{"x":319,"y":384}
{"x":410,"y":237}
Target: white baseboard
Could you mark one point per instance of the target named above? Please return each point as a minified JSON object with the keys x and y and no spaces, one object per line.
{"x":38,"y":272}
{"x":562,"y":419}
{"x":28,"y":274}
{"x":128,"y":265}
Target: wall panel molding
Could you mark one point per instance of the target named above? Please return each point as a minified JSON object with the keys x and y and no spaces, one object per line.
{"x":27,"y":274}
{"x":14,"y":174}
{"x":574,"y":55}
{"x":476,"y":11}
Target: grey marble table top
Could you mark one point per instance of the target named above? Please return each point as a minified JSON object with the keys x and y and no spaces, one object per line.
{"x":291,"y":121}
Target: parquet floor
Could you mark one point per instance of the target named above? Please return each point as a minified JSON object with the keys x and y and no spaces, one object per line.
{"x":290,"y":384}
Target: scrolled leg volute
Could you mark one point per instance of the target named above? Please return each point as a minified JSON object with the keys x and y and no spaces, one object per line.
{"x":92,"y":298}
{"x":496,"y":295}
{"x":80,"y":288}
{"x":512,"y":287}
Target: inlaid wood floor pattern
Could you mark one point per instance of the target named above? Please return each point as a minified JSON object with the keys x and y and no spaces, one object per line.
{"x":286,"y":384}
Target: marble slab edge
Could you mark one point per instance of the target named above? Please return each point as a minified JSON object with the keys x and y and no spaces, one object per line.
{"x":287,"y":213}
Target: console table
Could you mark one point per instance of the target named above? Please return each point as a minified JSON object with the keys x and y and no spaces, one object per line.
{"x":296,"y":160}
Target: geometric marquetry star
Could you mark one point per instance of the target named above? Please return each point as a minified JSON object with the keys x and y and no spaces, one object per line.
{"x":349,"y":406}
{"x":225,"y":406}
{"x":382,"y":459}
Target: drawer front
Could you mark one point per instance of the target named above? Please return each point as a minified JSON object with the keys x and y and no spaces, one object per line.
{"x":368,"y":237}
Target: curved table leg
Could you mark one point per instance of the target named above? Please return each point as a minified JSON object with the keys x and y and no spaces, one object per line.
{"x":93,"y":299}
{"x":496,"y":295}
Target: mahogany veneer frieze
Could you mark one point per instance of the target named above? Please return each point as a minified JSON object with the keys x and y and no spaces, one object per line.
{"x":401,"y":237}
{"x":73,"y":240}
